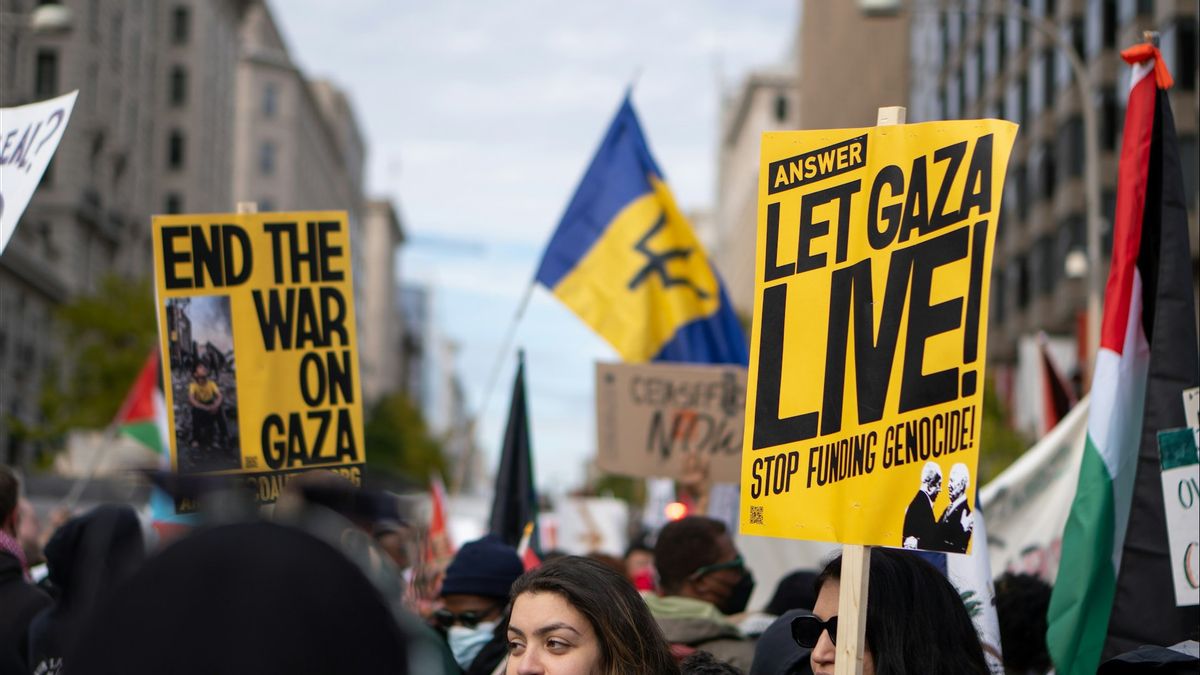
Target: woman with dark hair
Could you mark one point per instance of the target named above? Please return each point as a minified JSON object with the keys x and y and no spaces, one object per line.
{"x":576,"y":616}
{"x":916,"y":621}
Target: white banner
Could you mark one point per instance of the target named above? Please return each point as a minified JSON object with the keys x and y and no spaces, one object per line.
{"x":29,"y":135}
{"x":1027,"y":505}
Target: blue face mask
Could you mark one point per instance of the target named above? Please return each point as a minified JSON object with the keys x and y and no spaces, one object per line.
{"x":466,"y":643}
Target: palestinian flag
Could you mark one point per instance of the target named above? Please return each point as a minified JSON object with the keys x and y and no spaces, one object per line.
{"x":143,"y":414}
{"x":1114,"y":589}
{"x":143,"y":418}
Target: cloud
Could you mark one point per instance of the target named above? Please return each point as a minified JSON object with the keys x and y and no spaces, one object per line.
{"x":480,"y":119}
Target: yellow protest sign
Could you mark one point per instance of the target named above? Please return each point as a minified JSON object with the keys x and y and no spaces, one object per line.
{"x":873,"y":274}
{"x":257,"y":328}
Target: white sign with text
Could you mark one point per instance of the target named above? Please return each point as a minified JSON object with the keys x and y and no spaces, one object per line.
{"x":29,"y":135}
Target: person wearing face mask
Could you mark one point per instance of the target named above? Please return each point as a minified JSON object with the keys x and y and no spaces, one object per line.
{"x":474,"y":601}
{"x":702,"y":582}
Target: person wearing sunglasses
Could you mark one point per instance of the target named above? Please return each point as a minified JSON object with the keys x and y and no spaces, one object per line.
{"x":474,"y":600}
{"x":702,"y":582}
{"x":916,"y":621}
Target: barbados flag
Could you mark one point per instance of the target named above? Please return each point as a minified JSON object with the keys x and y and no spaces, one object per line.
{"x":625,"y":259}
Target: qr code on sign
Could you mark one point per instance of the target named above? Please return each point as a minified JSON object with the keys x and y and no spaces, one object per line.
{"x":756,"y":515}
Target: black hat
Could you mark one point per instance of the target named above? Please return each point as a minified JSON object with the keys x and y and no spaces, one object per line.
{"x":777,"y":653}
{"x":486,"y":567}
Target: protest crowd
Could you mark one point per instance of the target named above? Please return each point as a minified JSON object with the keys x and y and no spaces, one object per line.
{"x":112,"y":598}
{"x":274,"y":554}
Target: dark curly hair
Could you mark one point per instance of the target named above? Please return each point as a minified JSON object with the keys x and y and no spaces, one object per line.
{"x":630,"y":639}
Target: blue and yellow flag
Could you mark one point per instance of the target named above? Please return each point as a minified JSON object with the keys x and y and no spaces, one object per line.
{"x":625,"y":259}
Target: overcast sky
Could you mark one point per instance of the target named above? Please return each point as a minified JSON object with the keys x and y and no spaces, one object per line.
{"x":480,"y":118}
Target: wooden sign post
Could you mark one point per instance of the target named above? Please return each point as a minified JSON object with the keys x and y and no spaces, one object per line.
{"x":856,"y":559}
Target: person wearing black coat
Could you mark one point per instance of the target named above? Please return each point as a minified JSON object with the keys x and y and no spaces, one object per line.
{"x":87,"y":557}
{"x":19,"y":599}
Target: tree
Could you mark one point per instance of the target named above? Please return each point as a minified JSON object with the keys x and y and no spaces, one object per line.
{"x":398,"y":439}
{"x":106,"y":337}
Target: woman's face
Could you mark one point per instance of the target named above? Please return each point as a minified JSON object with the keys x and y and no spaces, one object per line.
{"x":547,"y":636}
{"x":823,"y":655}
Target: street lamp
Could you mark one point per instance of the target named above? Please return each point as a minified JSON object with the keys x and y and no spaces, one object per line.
{"x":1091,"y":156}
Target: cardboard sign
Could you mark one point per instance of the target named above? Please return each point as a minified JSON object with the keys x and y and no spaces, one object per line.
{"x":872,"y":279}
{"x":256,"y":317}
{"x":1181,"y":501}
{"x":29,"y":135}
{"x":649,"y":416}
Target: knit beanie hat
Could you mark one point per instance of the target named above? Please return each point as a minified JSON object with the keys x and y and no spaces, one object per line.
{"x":486,"y":567}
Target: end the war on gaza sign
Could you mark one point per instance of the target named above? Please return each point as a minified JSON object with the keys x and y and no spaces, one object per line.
{"x":866,"y":374}
{"x":257,"y":329}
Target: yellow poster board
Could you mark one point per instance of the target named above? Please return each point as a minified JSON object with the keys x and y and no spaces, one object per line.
{"x":257,"y":330}
{"x":872,"y":278}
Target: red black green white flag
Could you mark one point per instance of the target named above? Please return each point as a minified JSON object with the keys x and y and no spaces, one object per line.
{"x":1114,"y":590}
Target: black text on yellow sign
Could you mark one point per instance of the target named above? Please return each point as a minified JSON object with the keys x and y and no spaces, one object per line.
{"x":873,"y":269}
{"x":261,"y":306}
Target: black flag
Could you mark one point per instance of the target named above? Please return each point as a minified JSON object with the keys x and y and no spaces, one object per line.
{"x":1144,"y":610}
{"x":515,"y":503}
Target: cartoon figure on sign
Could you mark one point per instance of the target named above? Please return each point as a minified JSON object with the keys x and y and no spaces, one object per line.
{"x":205,"y":398}
{"x":920,"y":526}
{"x":957,"y":522}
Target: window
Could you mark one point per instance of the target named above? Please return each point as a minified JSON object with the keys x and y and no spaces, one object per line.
{"x":1187,"y":157}
{"x":45,"y":77}
{"x":980,"y":76}
{"x":178,"y":86}
{"x":1070,"y":147}
{"x":1108,"y":24}
{"x":1110,"y":129}
{"x":1020,"y":195}
{"x":1023,"y":93}
{"x":266,"y":158}
{"x":1050,"y":264}
{"x":1048,"y":85}
{"x":181,"y":25}
{"x":1179,"y":50}
{"x":781,"y":108}
{"x":174,"y":203}
{"x":1023,"y":285}
{"x":1049,"y":177}
{"x":175,"y":150}
{"x":270,"y":99}
{"x":998,"y":300}
{"x":1001,"y":45}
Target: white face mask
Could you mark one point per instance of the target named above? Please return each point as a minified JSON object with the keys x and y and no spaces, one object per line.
{"x":465,"y":643}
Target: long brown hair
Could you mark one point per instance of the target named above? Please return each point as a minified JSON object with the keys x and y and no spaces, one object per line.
{"x":630,"y":639}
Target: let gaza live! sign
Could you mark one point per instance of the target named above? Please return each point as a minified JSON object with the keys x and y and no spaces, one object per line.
{"x":873,"y":272}
{"x":257,"y":324}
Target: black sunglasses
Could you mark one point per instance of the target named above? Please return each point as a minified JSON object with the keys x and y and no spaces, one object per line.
{"x":806,"y":630}
{"x":470,"y":618}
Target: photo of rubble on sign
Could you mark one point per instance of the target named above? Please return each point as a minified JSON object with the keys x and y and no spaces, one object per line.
{"x":203,"y":383}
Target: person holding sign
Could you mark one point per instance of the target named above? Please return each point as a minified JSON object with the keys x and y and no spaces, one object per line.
{"x":916,"y":621}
